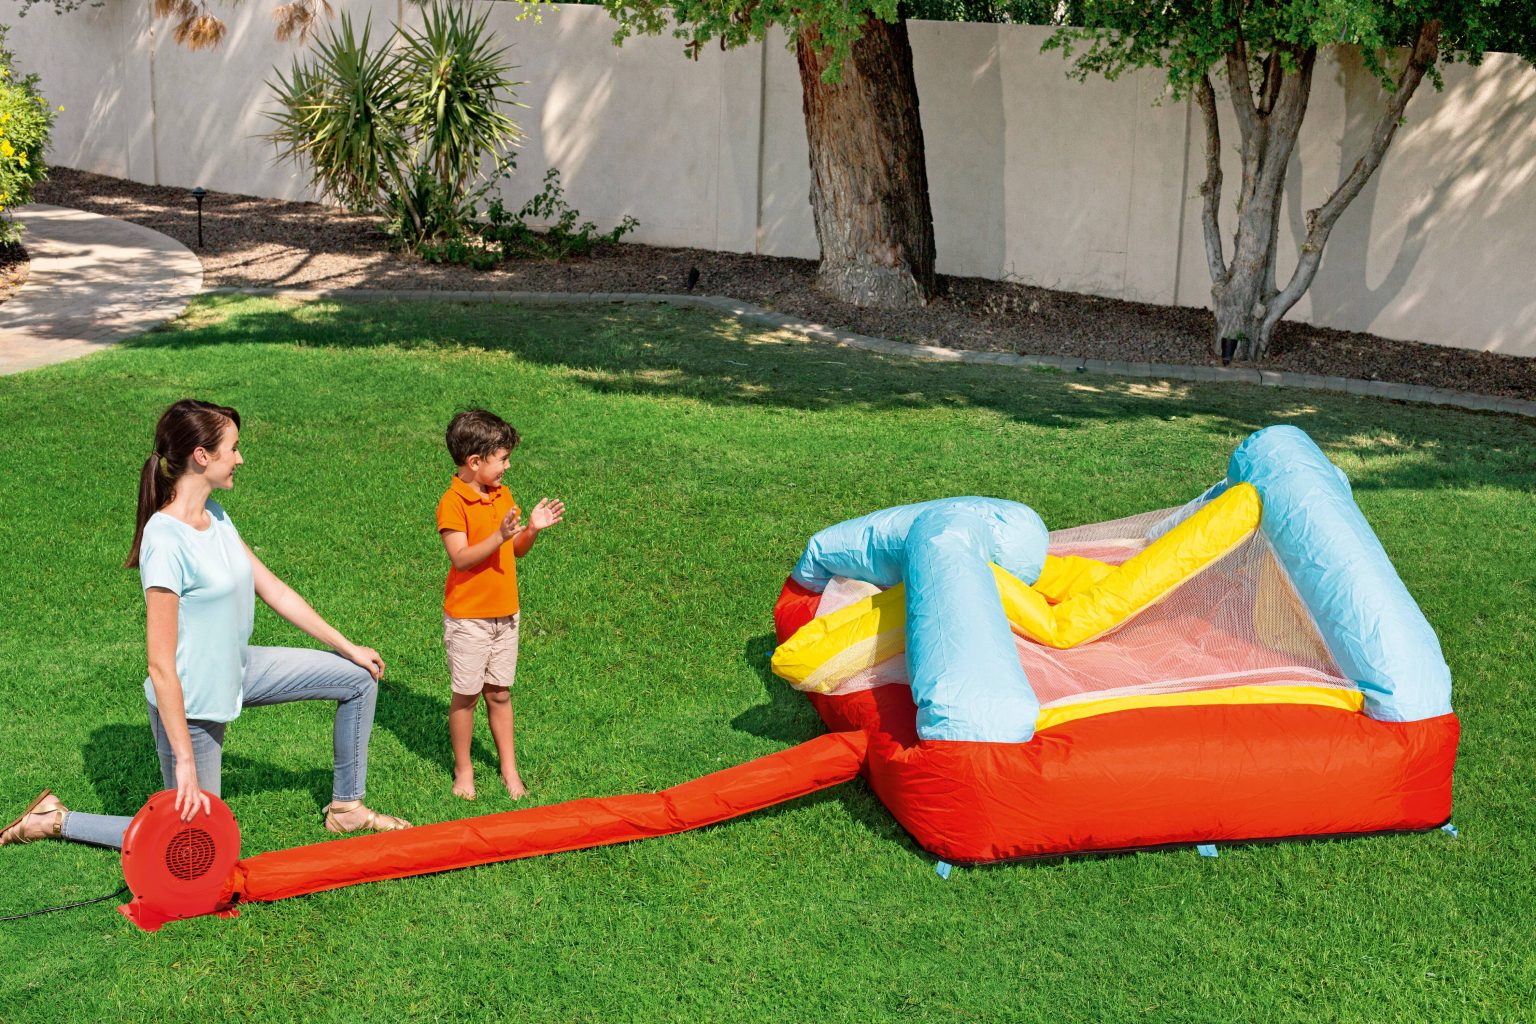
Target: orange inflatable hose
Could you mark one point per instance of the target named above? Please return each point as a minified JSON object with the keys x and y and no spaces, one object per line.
{"x":575,"y":825}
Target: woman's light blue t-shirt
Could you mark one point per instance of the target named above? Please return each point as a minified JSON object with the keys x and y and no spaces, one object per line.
{"x":210,"y":572}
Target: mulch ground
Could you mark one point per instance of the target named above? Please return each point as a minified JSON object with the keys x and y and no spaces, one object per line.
{"x":15,"y":265}
{"x":269,"y":242}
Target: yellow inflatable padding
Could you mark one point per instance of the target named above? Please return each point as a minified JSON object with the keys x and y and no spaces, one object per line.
{"x":1141,"y":581}
{"x":1068,"y":575}
{"x":1323,"y":696}
{"x":1093,"y":598}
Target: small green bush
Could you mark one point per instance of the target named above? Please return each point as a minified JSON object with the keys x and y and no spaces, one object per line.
{"x":508,"y":235}
{"x":25,"y":121}
{"x":561,"y":237}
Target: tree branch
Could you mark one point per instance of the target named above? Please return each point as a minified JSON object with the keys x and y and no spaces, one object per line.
{"x":1320,"y":221}
{"x":1242,"y":87}
{"x":1274,"y":77}
{"x":1283,"y":125}
{"x":1210,"y":188}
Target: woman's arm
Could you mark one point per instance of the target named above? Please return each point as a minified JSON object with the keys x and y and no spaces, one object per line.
{"x":161,"y":609}
{"x":284,"y":600}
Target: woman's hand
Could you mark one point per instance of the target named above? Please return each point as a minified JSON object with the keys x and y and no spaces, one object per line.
{"x":368,"y":658}
{"x":189,"y":795}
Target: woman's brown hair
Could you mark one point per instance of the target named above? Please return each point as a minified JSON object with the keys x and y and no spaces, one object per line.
{"x":183,"y":429}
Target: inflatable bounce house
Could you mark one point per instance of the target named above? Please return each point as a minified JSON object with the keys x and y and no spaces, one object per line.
{"x":1248,"y":666}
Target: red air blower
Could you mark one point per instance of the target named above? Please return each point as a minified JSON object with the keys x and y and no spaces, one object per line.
{"x":176,"y":868}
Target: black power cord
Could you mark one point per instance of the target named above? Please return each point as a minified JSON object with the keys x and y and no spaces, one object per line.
{"x":67,"y":906}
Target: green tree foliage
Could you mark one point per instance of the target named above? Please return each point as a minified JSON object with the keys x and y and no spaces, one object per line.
{"x":25,"y":121}
{"x":1189,"y":39}
{"x":1014,"y":12}
{"x":1263,"y":53}
{"x":835,"y":23}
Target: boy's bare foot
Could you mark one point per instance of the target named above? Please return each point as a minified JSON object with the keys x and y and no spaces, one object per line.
{"x":464,"y":785}
{"x":515,"y":788}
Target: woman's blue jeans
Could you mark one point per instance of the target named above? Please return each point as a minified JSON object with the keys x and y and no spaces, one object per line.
{"x":273,"y":675}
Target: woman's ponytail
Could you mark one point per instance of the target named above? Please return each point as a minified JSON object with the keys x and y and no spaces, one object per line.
{"x":183,"y":428}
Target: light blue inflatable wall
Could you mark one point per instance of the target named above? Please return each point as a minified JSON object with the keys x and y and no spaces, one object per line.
{"x":966,"y":678}
{"x":1369,"y":621}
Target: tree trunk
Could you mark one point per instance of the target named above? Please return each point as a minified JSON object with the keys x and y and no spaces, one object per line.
{"x":1269,"y":122}
{"x":1269,"y":115}
{"x":869,"y":182}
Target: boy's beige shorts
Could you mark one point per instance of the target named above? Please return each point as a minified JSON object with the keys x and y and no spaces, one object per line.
{"x":481,"y":652}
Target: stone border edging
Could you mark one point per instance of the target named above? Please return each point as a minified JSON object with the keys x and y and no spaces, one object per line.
{"x":749,"y":313}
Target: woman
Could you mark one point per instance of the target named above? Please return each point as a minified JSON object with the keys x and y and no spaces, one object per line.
{"x":200,"y":582}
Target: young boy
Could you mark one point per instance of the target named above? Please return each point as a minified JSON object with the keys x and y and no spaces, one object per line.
{"x":483,"y":532}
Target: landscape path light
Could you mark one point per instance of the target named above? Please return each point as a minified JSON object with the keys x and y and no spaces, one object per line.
{"x":199,"y":193}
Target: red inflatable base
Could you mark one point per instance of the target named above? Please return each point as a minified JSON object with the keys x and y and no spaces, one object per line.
{"x":1144,"y":778}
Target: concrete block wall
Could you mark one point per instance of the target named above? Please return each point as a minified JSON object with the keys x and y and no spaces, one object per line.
{"x":1034,"y":177}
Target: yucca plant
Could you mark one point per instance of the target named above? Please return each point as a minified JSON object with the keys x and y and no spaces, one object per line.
{"x":454,"y":80}
{"x":404,"y":131}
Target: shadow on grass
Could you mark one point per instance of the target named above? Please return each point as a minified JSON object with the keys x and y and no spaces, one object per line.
{"x":123,"y":769}
{"x":788,"y":718}
{"x":420,"y":723}
{"x":698,"y":355}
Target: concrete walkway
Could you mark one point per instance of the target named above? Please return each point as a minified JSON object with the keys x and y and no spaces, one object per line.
{"x":94,"y":280}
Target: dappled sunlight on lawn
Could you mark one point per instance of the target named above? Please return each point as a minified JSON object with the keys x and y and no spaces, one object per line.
{"x":663,"y":352}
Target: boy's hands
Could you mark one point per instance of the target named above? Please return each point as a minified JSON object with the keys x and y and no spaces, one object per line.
{"x":512,"y":525}
{"x":547,"y":513}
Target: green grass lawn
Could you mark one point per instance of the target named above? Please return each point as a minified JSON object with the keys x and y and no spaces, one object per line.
{"x":696,"y":458}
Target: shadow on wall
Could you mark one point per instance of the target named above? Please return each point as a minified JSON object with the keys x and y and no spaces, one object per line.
{"x":1341,"y":291}
{"x":1480,"y":178}
{"x":960,"y":85}
{"x":693,"y":354}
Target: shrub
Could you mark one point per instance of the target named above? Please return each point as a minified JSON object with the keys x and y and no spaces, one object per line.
{"x":507,"y":235}
{"x":25,"y":121}
{"x":403,"y":130}
{"x":561,"y":236}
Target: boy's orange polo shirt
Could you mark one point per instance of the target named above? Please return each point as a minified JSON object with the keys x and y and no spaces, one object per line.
{"x":489,"y":590}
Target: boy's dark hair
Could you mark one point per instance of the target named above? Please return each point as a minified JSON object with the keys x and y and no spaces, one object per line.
{"x":477,"y":432}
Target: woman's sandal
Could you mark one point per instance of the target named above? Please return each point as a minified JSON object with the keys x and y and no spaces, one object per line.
{"x":375,"y":822}
{"x":12,"y":835}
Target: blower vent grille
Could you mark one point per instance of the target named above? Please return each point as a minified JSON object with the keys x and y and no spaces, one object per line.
{"x":190,"y":854}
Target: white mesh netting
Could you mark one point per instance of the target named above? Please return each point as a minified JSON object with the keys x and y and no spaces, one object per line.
{"x":1238,"y":623}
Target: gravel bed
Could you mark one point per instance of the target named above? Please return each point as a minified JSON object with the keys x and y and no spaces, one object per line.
{"x":269,"y":242}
